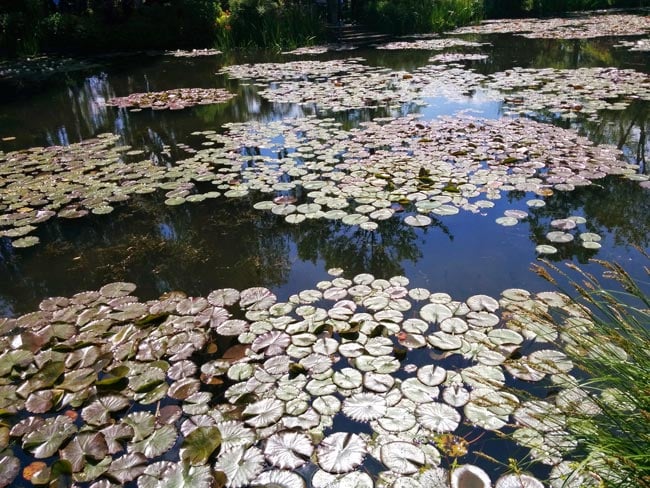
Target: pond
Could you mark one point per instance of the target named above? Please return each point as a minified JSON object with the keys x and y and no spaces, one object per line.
{"x":437,"y":168}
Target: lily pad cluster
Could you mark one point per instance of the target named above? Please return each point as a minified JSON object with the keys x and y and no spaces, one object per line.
{"x":311,"y":50}
{"x":563,"y":232}
{"x":430,"y":44}
{"x":400,"y":166}
{"x":123,"y":391}
{"x":176,"y":99}
{"x":72,"y":181}
{"x":587,"y":27}
{"x":296,"y":70}
{"x":374,"y":87}
{"x":337,"y":86}
{"x":456,"y":57}
{"x":569,"y":92}
{"x":194,"y":53}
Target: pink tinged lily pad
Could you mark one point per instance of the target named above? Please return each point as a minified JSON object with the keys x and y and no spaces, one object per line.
{"x":87,"y":445}
{"x":223,"y":297}
{"x":279,"y":478}
{"x":117,"y":289}
{"x":559,"y":237}
{"x":341,"y":452}
{"x":288,"y":450}
{"x":563,"y":224}
{"x":271,"y":343}
{"x":257,"y":298}
{"x":9,"y":469}
{"x":364,"y":407}
{"x":437,"y":417}
{"x":128,"y":467}
{"x":263,"y":413}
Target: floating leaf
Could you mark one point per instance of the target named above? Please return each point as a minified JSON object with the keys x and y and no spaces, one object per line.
{"x":278,"y":479}
{"x":165,"y":474}
{"x":288,"y":450}
{"x":84,"y":446}
{"x":9,"y":469}
{"x":157,"y":443}
{"x":256,"y":298}
{"x":364,"y":407}
{"x":128,"y":467}
{"x":271,"y":343}
{"x":240,"y":465}
{"x":437,"y":417}
{"x":45,"y":441}
{"x":199,"y":445}
{"x":341,"y":452}
{"x":234,"y":434}
{"x":117,"y":289}
{"x":402,"y":457}
{"x":263,"y":413}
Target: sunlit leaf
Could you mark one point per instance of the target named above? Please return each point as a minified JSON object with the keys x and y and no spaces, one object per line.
{"x":341,"y":452}
{"x":288,"y":450}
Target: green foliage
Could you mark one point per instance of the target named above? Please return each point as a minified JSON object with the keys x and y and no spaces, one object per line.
{"x":30,"y":26}
{"x":409,"y":16}
{"x":514,"y":8}
{"x":269,"y":24}
{"x":613,"y":350}
{"x":18,"y":25}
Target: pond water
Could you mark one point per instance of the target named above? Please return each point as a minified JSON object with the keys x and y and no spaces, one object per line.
{"x":199,"y":247}
{"x":224,"y":242}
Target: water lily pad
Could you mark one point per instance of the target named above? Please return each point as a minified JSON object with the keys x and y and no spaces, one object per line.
{"x":364,"y":407}
{"x":240,"y":465}
{"x":437,"y":417}
{"x":402,"y":457}
{"x":279,"y":479}
{"x":341,"y":452}
{"x":288,"y":450}
{"x":23,"y":242}
{"x":545,"y":249}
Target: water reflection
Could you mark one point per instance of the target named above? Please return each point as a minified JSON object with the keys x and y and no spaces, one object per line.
{"x":199,"y":247}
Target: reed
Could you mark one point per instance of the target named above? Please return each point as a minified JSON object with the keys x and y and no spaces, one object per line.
{"x":613,"y":352}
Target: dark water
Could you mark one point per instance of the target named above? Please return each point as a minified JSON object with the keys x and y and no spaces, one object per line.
{"x":198,"y":247}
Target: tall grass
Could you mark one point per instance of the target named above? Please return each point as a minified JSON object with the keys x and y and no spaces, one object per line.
{"x":270,"y":24}
{"x":613,"y":351}
{"x":410,"y":16}
{"x":448,"y":14}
